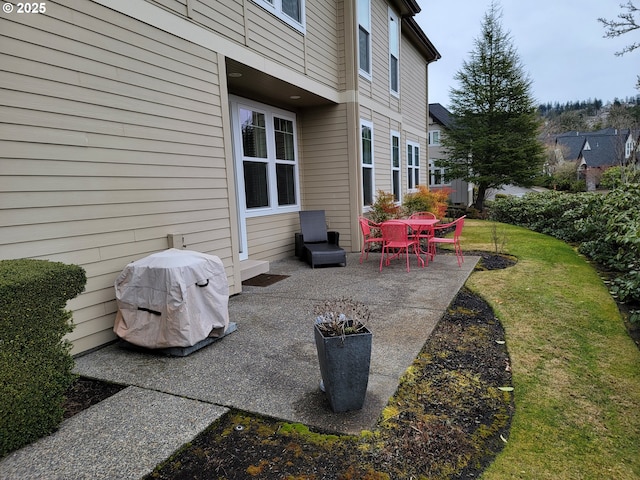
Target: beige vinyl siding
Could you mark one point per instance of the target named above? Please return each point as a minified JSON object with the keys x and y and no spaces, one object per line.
{"x":273,"y":39}
{"x":380,"y":53}
{"x":111,"y":139}
{"x":413,"y":71}
{"x":325,"y":168}
{"x":382,"y":153}
{"x":178,"y":6}
{"x":225,"y":18}
{"x":324,"y":37}
{"x":272,"y":237}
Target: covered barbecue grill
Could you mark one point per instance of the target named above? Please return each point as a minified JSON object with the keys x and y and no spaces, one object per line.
{"x":174,"y":298}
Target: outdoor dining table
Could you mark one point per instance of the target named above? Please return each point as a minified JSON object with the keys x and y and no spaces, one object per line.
{"x":418,"y":226}
{"x":422,"y":226}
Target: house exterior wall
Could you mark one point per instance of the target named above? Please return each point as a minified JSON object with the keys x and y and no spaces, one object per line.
{"x":405,"y":113}
{"x":461,"y":191}
{"x":115,"y":140}
{"x":117,"y":132}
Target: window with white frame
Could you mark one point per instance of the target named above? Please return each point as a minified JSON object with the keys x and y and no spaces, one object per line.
{"x":266,"y":158}
{"x":364,"y":37}
{"x":366,"y":138}
{"x":436,"y":174}
{"x":413,"y":165}
{"x":434,"y":137}
{"x":290,"y":11}
{"x":394,"y":53}
{"x":629,"y":146}
{"x":395,"y":165}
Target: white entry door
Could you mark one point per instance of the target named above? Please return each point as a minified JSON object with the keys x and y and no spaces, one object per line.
{"x":266,"y":163}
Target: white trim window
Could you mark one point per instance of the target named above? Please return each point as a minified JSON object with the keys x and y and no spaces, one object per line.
{"x":266,"y":158}
{"x":395,"y":166}
{"x":394,"y":53}
{"x":434,"y":137}
{"x":413,"y":165}
{"x":366,"y":161}
{"x":364,"y":38}
{"x":436,"y":174}
{"x":291,"y":12}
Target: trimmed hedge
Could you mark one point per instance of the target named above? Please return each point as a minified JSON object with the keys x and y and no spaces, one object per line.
{"x":606,"y":228}
{"x":35,"y":363}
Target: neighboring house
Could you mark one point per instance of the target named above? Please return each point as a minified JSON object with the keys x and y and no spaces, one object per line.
{"x":130,"y":126}
{"x":461,"y":191}
{"x":594,"y":152}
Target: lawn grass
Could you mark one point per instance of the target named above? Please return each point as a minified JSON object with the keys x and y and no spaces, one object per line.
{"x":576,"y":371}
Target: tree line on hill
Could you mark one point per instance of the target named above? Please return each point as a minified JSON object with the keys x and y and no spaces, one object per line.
{"x":590,"y":115}
{"x":590,"y":107}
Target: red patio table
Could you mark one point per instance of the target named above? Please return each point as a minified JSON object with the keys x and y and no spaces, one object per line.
{"x":423,"y":228}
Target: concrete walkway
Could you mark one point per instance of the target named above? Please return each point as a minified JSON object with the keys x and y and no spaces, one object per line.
{"x":268,"y":366}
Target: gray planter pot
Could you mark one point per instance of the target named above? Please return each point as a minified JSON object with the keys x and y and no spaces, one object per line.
{"x":344,"y":365}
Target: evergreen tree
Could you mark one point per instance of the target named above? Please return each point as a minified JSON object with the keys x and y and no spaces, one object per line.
{"x":493,"y":140}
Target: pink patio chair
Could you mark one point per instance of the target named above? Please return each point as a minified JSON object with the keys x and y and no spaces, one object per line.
{"x":368,"y":237}
{"x":396,"y":240}
{"x":455,"y":241}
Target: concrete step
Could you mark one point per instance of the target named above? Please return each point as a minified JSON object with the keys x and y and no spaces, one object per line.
{"x":252,"y":268}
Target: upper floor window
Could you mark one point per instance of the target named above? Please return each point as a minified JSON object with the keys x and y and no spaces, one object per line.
{"x":289,"y":11}
{"x":364,"y":37}
{"x":366,"y":137}
{"x":413,"y":165}
{"x":394,"y":53}
{"x":395,"y":165}
{"x":434,"y":137}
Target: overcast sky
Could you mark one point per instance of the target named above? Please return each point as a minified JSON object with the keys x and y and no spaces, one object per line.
{"x":560,"y":43}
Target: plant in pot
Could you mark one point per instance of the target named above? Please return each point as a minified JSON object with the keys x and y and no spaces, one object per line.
{"x":343,"y":342}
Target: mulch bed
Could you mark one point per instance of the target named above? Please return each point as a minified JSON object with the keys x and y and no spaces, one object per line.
{"x":86,"y":392}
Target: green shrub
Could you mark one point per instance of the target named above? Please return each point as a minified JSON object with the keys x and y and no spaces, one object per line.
{"x":618,"y":243}
{"x":615,"y":177}
{"x":553,"y":213}
{"x":606,"y":227}
{"x":35,"y":363}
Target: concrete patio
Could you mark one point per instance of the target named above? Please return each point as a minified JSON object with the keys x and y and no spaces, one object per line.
{"x":268,"y":366}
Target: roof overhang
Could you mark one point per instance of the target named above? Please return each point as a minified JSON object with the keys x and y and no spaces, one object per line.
{"x":413,"y":31}
{"x":406,"y":7}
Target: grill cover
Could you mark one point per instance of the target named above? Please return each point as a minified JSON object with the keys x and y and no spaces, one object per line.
{"x":173,"y":298}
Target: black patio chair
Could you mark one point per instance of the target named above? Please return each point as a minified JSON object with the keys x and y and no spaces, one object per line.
{"x":315,"y":244}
